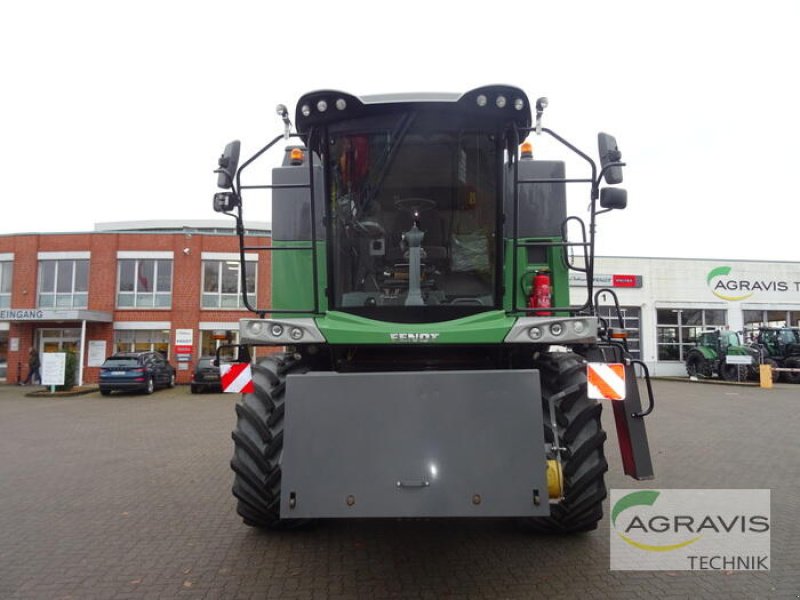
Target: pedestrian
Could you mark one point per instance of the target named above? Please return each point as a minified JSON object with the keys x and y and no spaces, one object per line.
{"x":33,"y":368}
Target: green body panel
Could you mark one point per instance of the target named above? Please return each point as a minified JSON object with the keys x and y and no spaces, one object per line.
{"x":293,"y":279}
{"x":292,"y":288}
{"x":709,"y":345}
{"x":738,"y":350}
{"x":707,"y":352}
{"x":484,"y":328}
{"x":526,"y":271}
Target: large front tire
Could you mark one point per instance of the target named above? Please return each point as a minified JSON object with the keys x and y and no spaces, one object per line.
{"x":733,"y":372}
{"x":258,"y":444}
{"x":697,"y":365}
{"x":789,"y":376}
{"x":580,"y":432}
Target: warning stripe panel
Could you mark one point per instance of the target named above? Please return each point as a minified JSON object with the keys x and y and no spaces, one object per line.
{"x":605,"y":381}
{"x":237,"y":378}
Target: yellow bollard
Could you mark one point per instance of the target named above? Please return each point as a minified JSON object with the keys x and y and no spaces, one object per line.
{"x":765,"y":373}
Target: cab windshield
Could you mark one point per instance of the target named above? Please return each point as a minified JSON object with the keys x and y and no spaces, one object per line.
{"x":414,"y":206}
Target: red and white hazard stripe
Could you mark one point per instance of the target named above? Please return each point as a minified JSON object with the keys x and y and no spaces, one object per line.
{"x":237,"y":378}
{"x":605,"y":381}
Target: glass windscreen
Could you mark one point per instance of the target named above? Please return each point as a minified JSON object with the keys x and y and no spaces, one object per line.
{"x":414,"y":202}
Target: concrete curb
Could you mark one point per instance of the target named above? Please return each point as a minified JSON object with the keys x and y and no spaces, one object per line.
{"x":707,"y":381}
{"x":76,"y":391}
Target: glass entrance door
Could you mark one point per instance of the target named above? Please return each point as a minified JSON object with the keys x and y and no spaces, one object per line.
{"x":60,"y":340}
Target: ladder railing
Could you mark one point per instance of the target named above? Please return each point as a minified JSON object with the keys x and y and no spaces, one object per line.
{"x":242,"y":234}
{"x":564,"y":244}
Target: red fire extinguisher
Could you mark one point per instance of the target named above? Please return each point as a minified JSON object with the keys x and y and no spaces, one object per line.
{"x":541,"y":293}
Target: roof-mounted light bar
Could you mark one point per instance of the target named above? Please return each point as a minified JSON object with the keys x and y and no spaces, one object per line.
{"x":507,"y":103}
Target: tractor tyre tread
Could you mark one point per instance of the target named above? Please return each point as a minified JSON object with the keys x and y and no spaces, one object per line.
{"x":258,"y":445}
{"x":579,"y":429}
{"x":697,"y":365}
{"x":788,"y":376}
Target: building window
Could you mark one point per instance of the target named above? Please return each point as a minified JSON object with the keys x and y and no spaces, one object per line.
{"x":63,"y":283}
{"x":222,"y":283}
{"x":6,"y":269}
{"x":211,"y":340}
{"x":143,"y":340}
{"x":753,"y":319}
{"x":631,"y":324}
{"x":144,"y":283}
{"x":678,"y":329}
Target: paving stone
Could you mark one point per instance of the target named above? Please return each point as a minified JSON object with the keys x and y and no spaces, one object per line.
{"x":129,"y":497}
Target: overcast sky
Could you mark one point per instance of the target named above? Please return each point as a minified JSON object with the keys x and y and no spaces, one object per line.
{"x":115,"y":112}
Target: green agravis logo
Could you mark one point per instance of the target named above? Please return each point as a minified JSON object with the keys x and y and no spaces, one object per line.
{"x":642,"y":498}
{"x":724,"y":285}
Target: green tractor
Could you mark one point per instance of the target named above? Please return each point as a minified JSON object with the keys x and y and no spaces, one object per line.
{"x":428,"y":361}
{"x":780,"y":348}
{"x":720,"y":353}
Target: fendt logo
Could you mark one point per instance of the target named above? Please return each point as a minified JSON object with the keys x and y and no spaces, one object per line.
{"x":721,"y":282}
{"x":413,"y":337}
{"x":690,"y":529}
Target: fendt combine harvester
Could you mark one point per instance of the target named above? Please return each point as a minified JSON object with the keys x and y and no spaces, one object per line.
{"x":432,"y":364}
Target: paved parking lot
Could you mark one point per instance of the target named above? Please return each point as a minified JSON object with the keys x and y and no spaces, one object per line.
{"x":129,"y":497}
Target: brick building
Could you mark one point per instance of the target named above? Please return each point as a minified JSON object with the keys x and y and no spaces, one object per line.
{"x":125,"y":287}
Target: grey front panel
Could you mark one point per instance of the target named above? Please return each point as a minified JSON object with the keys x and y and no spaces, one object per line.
{"x":542,"y":206}
{"x":424,"y":444}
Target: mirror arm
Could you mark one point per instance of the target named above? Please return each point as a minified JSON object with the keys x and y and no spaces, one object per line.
{"x":606,"y":168}
{"x":252,"y":158}
{"x":236,"y":186}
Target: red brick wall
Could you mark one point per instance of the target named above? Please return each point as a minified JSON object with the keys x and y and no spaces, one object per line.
{"x":185,"y":312}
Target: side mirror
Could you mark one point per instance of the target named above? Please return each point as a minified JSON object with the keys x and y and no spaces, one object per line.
{"x":225,"y":202}
{"x":609,"y":154}
{"x":611,"y":198}
{"x":228,"y":163}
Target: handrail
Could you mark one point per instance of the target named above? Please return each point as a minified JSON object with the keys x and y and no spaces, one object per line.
{"x":588,"y":246}
{"x":240,"y":230}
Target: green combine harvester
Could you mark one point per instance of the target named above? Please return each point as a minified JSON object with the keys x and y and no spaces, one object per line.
{"x":430,"y":361}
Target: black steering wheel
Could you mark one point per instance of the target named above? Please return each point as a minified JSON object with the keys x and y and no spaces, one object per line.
{"x":414,"y":205}
{"x":371,"y":229}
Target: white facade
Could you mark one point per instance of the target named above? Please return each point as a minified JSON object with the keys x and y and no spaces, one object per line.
{"x":678,"y":297}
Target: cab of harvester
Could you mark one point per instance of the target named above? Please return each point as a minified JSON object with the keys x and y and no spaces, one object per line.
{"x":420,"y":286}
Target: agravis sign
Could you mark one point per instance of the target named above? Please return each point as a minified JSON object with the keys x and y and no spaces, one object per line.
{"x":734,"y":288}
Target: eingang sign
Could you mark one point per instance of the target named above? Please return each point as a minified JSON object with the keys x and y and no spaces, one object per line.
{"x":54,"y":314}
{"x":21,"y":314}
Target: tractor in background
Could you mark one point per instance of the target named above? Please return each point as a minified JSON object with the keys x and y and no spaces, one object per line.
{"x":779,"y":347}
{"x":720,"y":353}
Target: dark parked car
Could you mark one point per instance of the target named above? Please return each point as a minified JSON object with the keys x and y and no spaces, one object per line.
{"x":205,"y":376}
{"x":135,"y":371}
